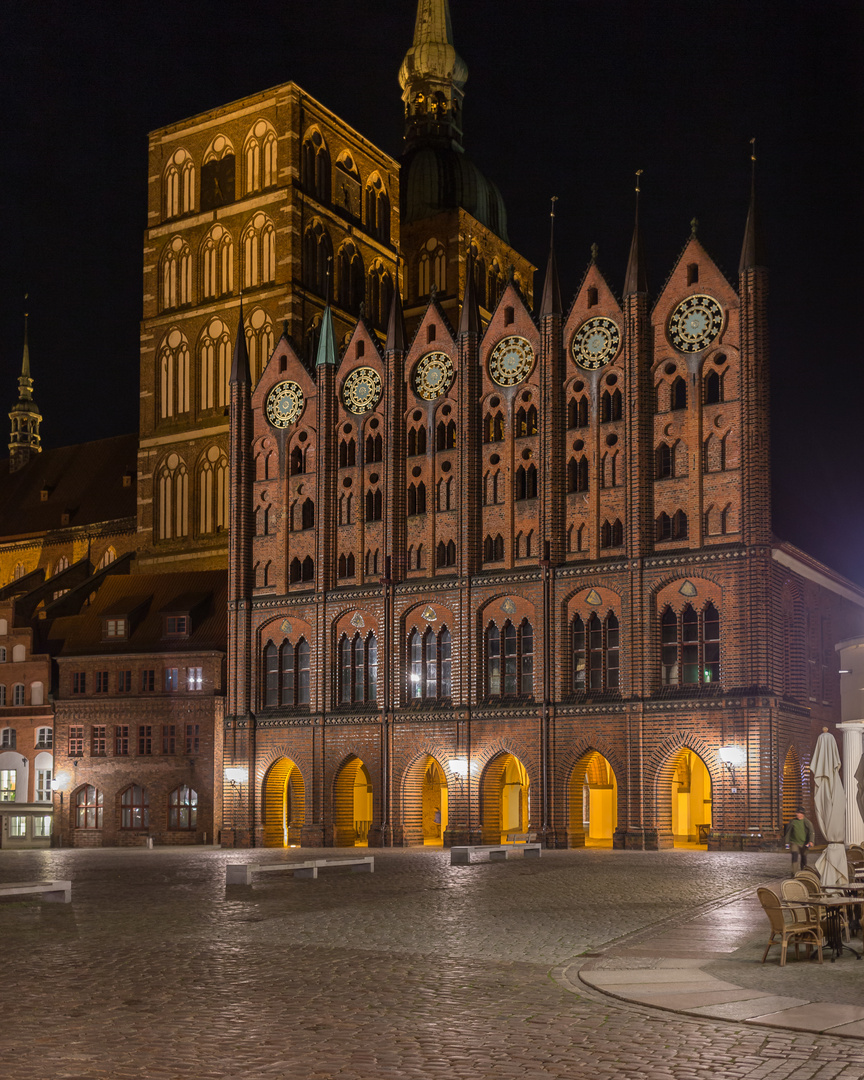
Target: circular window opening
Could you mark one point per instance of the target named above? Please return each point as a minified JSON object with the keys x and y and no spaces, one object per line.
{"x":719,"y":359}
{"x":373,"y":423}
{"x":526,"y":396}
{"x":611,"y":440}
{"x":494,"y":460}
{"x":446,"y":466}
{"x":417,"y":415}
{"x":347,"y":429}
{"x":670,"y":369}
{"x":446,"y":410}
{"x":579,"y":445}
{"x":373,"y":478}
{"x":346,"y":482}
{"x":612,"y":380}
{"x":416,"y":470}
{"x":526,"y":454}
{"x":302,"y":437}
{"x":577,"y":386}
{"x":494,"y":402}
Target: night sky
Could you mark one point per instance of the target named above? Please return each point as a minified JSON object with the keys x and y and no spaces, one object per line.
{"x":564,"y":97}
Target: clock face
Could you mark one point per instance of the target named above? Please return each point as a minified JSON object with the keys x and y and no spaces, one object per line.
{"x":433,"y":376}
{"x":284,"y":404}
{"x":511,"y":360}
{"x":695,"y":323}
{"x":596,"y":342}
{"x":361,"y":390}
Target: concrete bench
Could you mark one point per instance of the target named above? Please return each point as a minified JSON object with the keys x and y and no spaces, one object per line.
{"x":242,"y":873}
{"x":55,"y":892}
{"x":461,"y":856}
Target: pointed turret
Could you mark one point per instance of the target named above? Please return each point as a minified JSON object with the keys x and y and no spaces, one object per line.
{"x":327,"y":351}
{"x":469,"y":321}
{"x":396,"y":336}
{"x":636,"y":280}
{"x":240,"y":372}
{"x":24,"y":439}
{"x":551,"y":302}
{"x":753,"y":248}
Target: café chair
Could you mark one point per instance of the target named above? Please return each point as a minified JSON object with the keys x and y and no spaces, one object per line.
{"x":797,"y":927}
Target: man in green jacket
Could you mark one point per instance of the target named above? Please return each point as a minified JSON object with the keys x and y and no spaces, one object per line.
{"x":799,"y":836}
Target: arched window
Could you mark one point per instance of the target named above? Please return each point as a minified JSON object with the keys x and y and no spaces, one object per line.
{"x":445,"y":435}
{"x":663,"y":460}
{"x":347,"y":453}
{"x":510,"y":659}
{"x":595,"y":653}
{"x":108,"y":556}
{"x":378,"y":209}
{"x":175,"y":275}
{"x":432,"y":269}
{"x":317,"y":259}
{"x":88,"y":808}
{"x":214,"y":350}
{"x":380,"y":294}
{"x":610,"y":406}
{"x":183,"y":808}
{"x":259,"y":342}
{"x":260,"y":157}
{"x":172,"y":487}
{"x":690,"y":646}
{"x":345,"y":501}
{"x":577,"y":474}
{"x":173,"y":361}
{"x":179,"y":185}
{"x":446,"y":554}
{"x":374,"y":505}
{"x":347,"y":568}
{"x":577,"y":412}
{"x":678,"y":394}
{"x":714,"y":453}
{"x":416,"y":499}
{"x":217,"y":174}
{"x":350,"y":278}
{"x":526,"y":422}
{"x":429,"y":665}
{"x":315,"y":167}
{"x":213,"y":491}
{"x":526,"y":483}
{"x":611,"y":534}
{"x":217,"y":263}
{"x":493,"y":548}
{"x":307,"y":514}
{"x":663,"y":526}
{"x":416,"y":441}
{"x":259,"y":252}
{"x":713,"y":387}
{"x":358,"y":669}
{"x":134,"y":808}
{"x":493,"y":427}
{"x":286,"y":674}
{"x":679,"y":525}
{"x":374,"y":448}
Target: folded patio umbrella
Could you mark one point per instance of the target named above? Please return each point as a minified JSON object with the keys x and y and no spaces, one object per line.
{"x":859,"y":776}
{"x":830,"y":802}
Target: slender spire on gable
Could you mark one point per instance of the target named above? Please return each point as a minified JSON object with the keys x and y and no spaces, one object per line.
{"x":396,"y":336}
{"x":636,"y":280}
{"x":327,"y":351}
{"x":551,"y":303}
{"x":469,"y":320}
{"x":24,"y":438}
{"x":753,"y":248}
{"x":240,"y":372}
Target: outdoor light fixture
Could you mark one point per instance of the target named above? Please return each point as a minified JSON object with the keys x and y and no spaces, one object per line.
{"x":236,"y":776}
{"x":458,"y":766}
{"x":732,"y":756}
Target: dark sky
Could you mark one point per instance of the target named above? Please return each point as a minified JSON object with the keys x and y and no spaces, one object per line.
{"x":564,"y":97}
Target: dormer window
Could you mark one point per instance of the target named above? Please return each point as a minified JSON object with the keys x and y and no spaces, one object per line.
{"x":117,"y":628}
{"x":176,"y":626}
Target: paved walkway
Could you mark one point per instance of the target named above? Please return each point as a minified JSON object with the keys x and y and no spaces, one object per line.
{"x":158,"y":971}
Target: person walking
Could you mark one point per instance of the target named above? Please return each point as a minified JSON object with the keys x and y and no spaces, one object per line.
{"x":799,"y":836}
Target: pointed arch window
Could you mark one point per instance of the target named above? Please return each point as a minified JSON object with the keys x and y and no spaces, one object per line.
{"x":610,"y":406}
{"x":134,"y":808}
{"x":595,"y":653}
{"x":577,"y":474}
{"x":416,"y":441}
{"x":179,"y":184}
{"x":446,"y":554}
{"x":374,"y":448}
{"x":286,"y":674}
{"x":526,"y":422}
{"x":416,"y":499}
{"x":378,"y":209}
{"x":714,"y":387}
{"x":526,"y":483}
{"x":445,"y":435}
{"x":317,"y":256}
{"x":380,"y":294}
{"x":678,"y":394}
{"x":217,"y":263}
{"x":259,"y":252}
{"x":176,"y":275}
{"x":663,"y":462}
{"x":510,"y":659}
{"x":358,"y":669}
{"x":347,"y":453}
{"x":374,"y":505}
{"x":88,"y":807}
{"x":307,"y":514}
{"x":172,"y":486}
{"x":183,"y":808}
{"x":259,"y":342}
{"x":429,"y":665}
{"x":315,"y":167}
{"x":259,"y":156}
{"x":346,"y":566}
{"x":690,"y":646}
{"x":611,"y":534}
{"x":350,"y":278}
{"x":577,"y":412}
{"x":445,"y":494}
{"x":432,"y":269}
{"x":213,"y":492}
{"x":214,"y":350}
{"x":217,"y":174}
{"x":493,"y":427}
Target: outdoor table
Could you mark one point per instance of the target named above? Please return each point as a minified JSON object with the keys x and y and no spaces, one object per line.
{"x":833,"y":923}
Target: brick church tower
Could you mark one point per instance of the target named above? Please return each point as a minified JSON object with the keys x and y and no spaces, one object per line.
{"x":516,"y":570}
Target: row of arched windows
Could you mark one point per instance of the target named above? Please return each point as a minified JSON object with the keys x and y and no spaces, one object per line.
{"x":134,"y":808}
{"x":316,"y":177}
{"x":172,"y":495}
{"x":216,"y":263}
{"x":344,"y":280}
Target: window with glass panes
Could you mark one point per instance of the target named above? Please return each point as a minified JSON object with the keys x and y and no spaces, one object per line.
{"x":358,"y":668}
{"x":194,"y":678}
{"x":169,"y":738}
{"x":42,"y":825}
{"x":44,"y":738}
{"x":76,"y":741}
{"x":286,"y":673}
{"x":172,"y":678}
{"x":134,"y":808}
{"x":8,"y":780}
{"x":183,"y":808}
{"x":595,"y":653}
{"x":124,"y":682}
{"x":7,"y":738}
{"x":193,"y":738}
{"x":101,"y":682}
{"x":17,"y":826}
{"x":145,"y":739}
{"x":79,"y":682}
{"x":43,"y":785}
{"x":148,"y":681}
{"x":690,"y":646}
{"x":98,"y":741}
{"x":121,"y":740}
{"x":510,"y":659}
{"x":88,"y":808}
{"x":429,"y":664}
{"x":18,"y":694}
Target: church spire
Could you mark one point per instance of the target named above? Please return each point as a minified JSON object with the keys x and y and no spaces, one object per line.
{"x":753,"y":248}
{"x":396,"y":336}
{"x":24,"y":440}
{"x":469,"y":320}
{"x":432,"y":77}
{"x":240,"y":372}
{"x":636,"y":280}
{"x":551,"y":303}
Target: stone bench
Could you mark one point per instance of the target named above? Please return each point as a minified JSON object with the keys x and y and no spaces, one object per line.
{"x":461,"y":856}
{"x":242,"y":873}
{"x":55,"y":892}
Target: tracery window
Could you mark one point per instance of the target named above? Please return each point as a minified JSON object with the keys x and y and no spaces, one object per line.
{"x":526,"y":422}
{"x":176,"y":274}
{"x":432,"y":269}
{"x":183,"y":808}
{"x":350,"y":278}
{"x":134,"y":808}
{"x":358,"y":668}
{"x":317,"y":258}
{"x":214,"y":350}
{"x":217,"y":263}
{"x":595,"y":653}
{"x":690,"y":646}
{"x":259,"y":252}
{"x":429,"y":664}
{"x":172,"y":485}
{"x":380,"y":294}
{"x":286,"y":673}
{"x":260,"y":157}
{"x":315,"y":167}
{"x":493,"y":427}
{"x":179,"y":184}
{"x":577,"y":412}
{"x":217,"y":174}
{"x":88,"y":807}
{"x":378,"y":209}
{"x":510,"y":659}
{"x":173,"y":360}
{"x":213,"y":492}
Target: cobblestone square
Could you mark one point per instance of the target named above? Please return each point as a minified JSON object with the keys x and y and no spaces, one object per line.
{"x":157,"y":969}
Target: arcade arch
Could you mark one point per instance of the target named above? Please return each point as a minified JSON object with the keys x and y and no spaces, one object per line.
{"x":593,"y":798}
{"x":684,"y":799}
{"x":424,"y":803}
{"x":352,"y":805}
{"x":283,"y":804}
{"x":504,"y":798}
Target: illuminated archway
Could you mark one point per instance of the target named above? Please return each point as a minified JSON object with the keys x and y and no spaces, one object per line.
{"x":792,"y":794}
{"x":424,"y":803}
{"x":593,"y":802}
{"x":283,"y":804}
{"x":685,"y":788}
{"x":352,"y":805}
{"x":504,"y":798}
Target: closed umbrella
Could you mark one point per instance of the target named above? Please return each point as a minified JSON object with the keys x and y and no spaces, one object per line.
{"x":859,"y":776}
{"x":830,"y":802}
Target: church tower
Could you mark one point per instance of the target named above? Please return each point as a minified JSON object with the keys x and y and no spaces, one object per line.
{"x":24,"y":439}
{"x":449,"y":209}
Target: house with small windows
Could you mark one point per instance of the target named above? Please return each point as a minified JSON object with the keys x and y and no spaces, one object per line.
{"x":26,"y":736}
{"x":139,"y":708}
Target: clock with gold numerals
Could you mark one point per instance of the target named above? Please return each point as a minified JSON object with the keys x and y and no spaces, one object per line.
{"x":695,"y":323}
{"x":361,"y":391}
{"x":433,"y":375}
{"x":595,"y":343}
{"x":511,"y":360}
{"x":284,"y":404}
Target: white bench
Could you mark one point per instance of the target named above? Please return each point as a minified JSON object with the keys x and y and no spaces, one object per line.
{"x":242,"y":873}
{"x":55,"y":892}
{"x":461,"y":856}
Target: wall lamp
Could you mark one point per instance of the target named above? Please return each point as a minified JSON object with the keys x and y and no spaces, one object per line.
{"x":732,"y":756}
{"x":236,"y":777}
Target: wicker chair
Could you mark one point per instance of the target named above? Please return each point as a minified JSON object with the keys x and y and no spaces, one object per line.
{"x":797,"y":928}
{"x":814,"y":888}
{"x":855,"y":852}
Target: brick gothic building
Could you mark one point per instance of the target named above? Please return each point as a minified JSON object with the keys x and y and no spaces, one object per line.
{"x":521,"y":571}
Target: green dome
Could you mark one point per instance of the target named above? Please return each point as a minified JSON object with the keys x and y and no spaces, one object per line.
{"x":441,"y":178}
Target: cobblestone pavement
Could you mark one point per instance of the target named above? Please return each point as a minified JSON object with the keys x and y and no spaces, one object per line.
{"x":157,"y":971}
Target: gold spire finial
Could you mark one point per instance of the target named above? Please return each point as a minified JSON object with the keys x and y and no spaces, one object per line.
{"x":554,"y":200}
{"x":753,"y":149}
{"x":638,"y":181}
